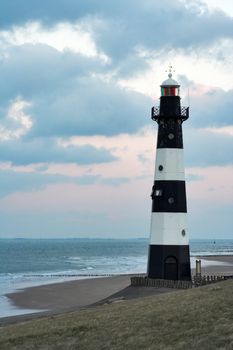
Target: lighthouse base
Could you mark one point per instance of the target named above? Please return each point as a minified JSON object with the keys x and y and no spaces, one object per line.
{"x":170,"y":262}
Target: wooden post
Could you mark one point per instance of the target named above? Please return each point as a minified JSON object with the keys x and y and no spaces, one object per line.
{"x":198,"y":268}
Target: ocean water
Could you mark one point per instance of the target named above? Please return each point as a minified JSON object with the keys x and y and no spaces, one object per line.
{"x":30,"y":262}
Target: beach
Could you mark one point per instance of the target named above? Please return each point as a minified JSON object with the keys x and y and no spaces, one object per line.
{"x":216,"y":264}
{"x":78,"y":294}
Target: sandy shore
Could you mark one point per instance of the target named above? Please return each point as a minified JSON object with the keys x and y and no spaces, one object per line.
{"x":219,"y":265}
{"x":74,"y":295}
{"x":219,"y":258}
{"x":58,"y":296}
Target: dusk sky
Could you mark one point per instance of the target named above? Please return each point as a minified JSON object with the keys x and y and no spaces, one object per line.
{"x":77,"y":83}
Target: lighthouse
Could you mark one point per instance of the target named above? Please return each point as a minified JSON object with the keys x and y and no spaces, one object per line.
{"x":168,"y":256}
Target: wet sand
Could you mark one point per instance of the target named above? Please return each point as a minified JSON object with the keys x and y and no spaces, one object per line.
{"x":78,"y":293}
{"x":75,"y":295}
{"x":219,"y":258}
{"x":220,"y":265}
{"x":57,"y":298}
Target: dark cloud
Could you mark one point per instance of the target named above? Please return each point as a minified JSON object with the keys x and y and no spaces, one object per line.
{"x":131,"y":65}
{"x":12,"y":181}
{"x":207,"y":108}
{"x":12,"y":13}
{"x":90,"y":107}
{"x":48,"y":151}
{"x":36,"y":70}
{"x":69,"y":96}
{"x":155,"y":25}
{"x":66,"y":99}
{"x":204,"y":148}
{"x":124,"y":26}
{"x":214,"y":108}
{"x":15,"y":181}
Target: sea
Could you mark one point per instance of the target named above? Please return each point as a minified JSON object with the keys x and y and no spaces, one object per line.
{"x":32,"y":262}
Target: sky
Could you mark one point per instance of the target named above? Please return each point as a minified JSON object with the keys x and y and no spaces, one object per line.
{"x":77,"y":83}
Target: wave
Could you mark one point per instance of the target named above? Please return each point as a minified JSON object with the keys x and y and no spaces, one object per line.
{"x":212,"y":252}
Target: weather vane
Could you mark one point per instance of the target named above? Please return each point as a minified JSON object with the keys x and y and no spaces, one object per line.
{"x":170,"y":70}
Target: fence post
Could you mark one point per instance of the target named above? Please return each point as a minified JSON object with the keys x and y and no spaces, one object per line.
{"x":198,"y":268}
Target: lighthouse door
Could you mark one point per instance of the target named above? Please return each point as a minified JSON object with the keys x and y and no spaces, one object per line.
{"x":170,"y":268}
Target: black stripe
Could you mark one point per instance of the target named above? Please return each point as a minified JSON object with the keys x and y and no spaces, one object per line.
{"x":170,"y":107}
{"x":169,"y":262}
{"x":169,"y":197}
{"x":170,"y":134}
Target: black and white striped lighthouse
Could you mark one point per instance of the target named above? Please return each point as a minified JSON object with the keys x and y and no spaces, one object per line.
{"x":169,"y":244}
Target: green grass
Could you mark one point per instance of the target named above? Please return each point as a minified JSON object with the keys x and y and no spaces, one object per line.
{"x":199,"y":318}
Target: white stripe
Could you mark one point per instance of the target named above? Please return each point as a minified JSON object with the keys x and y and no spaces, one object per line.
{"x":172,"y":160}
{"x":166,"y":229}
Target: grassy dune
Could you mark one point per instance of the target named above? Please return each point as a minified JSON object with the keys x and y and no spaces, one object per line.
{"x":200,"y":318}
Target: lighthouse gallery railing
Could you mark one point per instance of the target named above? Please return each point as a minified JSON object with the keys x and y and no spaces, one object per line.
{"x":183,"y":113}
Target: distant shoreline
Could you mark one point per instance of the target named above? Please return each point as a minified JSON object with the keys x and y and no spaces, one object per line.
{"x":109,"y":238}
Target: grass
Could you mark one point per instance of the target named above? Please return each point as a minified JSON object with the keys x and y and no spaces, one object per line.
{"x":199,"y":318}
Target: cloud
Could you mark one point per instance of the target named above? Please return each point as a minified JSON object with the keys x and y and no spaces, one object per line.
{"x":60,"y":223}
{"x":70,"y":101}
{"x":115,"y":181}
{"x":204,"y":148}
{"x":62,"y":37}
{"x":66,"y":98}
{"x":77,"y":95}
{"x":120,"y":28}
{"x":104,"y":203}
{"x":110,"y":211}
{"x":74,"y":70}
{"x":193,"y":177}
{"x":49,"y":151}
{"x":15,"y":122}
{"x":210,"y":220}
{"x":213,"y":108}
{"x":154,"y":25}
{"x":209,"y":106}
{"x":22,"y":182}
{"x":12,"y":181}
{"x":38,"y":69}
{"x":91,"y":107}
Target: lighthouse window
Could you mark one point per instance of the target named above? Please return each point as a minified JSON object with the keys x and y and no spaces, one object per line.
{"x":171,"y":200}
{"x":170,"y":91}
{"x":163,"y":91}
{"x":183,"y":233}
{"x":158,"y":193}
{"x":160,"y":167}
{"x":171,"y":136}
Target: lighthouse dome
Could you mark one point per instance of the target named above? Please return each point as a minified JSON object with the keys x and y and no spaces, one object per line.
{"x":170,"y":82}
